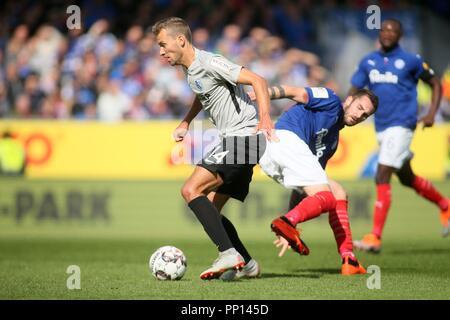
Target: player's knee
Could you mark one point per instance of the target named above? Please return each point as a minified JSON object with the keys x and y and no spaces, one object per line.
{"x":339,"y":193}
{"x":188,"y":192}
{"x":382,"y":177}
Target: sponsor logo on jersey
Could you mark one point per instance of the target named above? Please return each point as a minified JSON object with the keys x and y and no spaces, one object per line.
{"x":376,"y":77}
{"x":198,"y":84}
{"x":320,"y":146}
{"x":371,"y":62}
{"x":220,"y":64}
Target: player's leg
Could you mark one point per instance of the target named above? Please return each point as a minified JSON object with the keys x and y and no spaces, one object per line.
{"x":394,"y":151}
{"x":319,"y":199}
{"x":371,"y":242}
{"x":339,"y":223}
{"x":251,"y":268}
{"x":194,"y":191}
{"x":219,"y":200}
{"x":383,"y":202}
{"x":425,"y":188}
{"x":291,"y":163}
{"x":296,"y":197}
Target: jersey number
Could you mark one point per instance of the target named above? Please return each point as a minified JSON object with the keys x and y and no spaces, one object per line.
{"x":216,"y":158}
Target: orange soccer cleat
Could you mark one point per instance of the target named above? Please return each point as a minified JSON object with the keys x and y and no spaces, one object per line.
{"x":369,"y":243}
{"x":283,"y":228}
{"x":351,"y":266}
{"x":445,"y":220}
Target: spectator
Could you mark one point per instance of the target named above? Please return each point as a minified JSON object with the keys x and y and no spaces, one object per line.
{"x":113,"y":104}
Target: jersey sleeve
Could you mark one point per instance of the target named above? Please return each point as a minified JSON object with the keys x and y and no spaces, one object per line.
{"x":222,"y":69}
{"x":320,"y":98}
{"x":421,"y":69}
{"x":360,"y":78}
{"x":417,"y":66}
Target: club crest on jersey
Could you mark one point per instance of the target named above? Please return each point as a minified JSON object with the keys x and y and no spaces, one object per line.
{"x":399,"y":64}
{"x":376,"y":77}
{"x":198,"y":84}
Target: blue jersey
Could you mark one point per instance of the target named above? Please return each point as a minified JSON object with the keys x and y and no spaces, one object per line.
{"x":317,"y":122}
{"x":393,"y":77}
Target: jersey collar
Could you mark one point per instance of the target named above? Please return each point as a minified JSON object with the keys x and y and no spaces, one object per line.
{"x":393,"y":52}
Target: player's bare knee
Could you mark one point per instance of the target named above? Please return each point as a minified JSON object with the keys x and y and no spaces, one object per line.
{"x":188,"y":192}
{"x":337,"y":190}
{"x":340,"y":193}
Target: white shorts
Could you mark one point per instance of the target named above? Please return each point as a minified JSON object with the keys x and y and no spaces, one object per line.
{"x":291,"y":163}
{"x":394,"y":145}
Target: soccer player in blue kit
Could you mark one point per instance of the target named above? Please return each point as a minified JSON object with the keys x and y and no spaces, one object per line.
{"x":308,"y":137}
{"x":392,"y":74}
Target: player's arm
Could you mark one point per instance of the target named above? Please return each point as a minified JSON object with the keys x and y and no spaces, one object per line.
{"x":183,"y":127}
{"x":297,"y":94}
{"x":430,"y":78}
{"x":260,"y":88}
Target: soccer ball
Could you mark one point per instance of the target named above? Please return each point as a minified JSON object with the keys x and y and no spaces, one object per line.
{"x":168,"y":263}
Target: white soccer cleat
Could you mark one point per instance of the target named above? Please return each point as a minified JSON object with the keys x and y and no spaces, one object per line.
{"x":228,"y":260}
{"x":250,"y":270}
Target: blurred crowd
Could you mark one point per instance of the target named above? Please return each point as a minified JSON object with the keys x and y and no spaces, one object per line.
{"x":97,"y":75}
{"x":100,"y":72}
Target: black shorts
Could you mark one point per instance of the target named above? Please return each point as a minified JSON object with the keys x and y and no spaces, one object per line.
{"x":233,"y":159}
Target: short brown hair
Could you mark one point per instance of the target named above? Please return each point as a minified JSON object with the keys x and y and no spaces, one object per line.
{"x":366,"y":92}
{"x":175,"y":26}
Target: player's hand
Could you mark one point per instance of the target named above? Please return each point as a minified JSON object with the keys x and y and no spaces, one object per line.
{"x":281,"y":242}
{"x":252,"y":95}
{"x":427,"y":120}
{"x":180,"y":132}
{"x":265,"y":126}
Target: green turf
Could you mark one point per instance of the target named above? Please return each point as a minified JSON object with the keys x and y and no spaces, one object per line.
{"x":113,"y":254}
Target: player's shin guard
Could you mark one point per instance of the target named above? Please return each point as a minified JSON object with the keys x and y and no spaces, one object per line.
{"x":311,"y":207}
{"x":210,"y":218}
{"x":234,"y":237}
{"x":382,"y":206}
{"x":426,"y":189}
{"x":338,"y":219}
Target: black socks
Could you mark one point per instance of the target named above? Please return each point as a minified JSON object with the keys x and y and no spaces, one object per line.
{"x":210,"y":218}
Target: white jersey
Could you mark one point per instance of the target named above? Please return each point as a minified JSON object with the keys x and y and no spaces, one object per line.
{"x":214,"y":80}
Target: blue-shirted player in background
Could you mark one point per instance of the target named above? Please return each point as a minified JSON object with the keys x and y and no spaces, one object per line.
{"x":392,"y":74}
{"x":309,"y":136}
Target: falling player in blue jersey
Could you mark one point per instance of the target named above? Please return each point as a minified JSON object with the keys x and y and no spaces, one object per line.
{"x":309,"y":136}
{"x":392,"y":74}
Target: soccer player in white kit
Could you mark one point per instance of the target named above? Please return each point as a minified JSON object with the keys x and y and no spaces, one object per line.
{"x":227,"y":171}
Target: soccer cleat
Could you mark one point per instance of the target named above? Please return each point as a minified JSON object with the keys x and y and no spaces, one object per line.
{"x":369,"y":243}
{"x":250,"y":270}
{"x":351,"y":266}
{"x":445,"y":220}
{"x":283,"y":228}
{"x":228,"y":260}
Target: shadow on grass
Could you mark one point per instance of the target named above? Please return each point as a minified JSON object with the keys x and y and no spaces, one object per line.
{"x":302,"y":273}
{"x":421,"y":251}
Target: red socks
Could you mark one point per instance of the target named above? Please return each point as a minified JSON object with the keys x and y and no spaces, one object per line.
{"x":381,"y":208}
{"x":338,"y":219}
{"x":311,"y":207}
{"x":424,"y":188}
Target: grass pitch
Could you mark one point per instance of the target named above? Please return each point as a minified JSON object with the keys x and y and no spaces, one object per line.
{"x":112,"y":247}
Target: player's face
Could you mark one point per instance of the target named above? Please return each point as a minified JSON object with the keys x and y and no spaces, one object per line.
{"x":389,"y":35}
{"x":357,"y":110}
{"x":169,"y":47}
